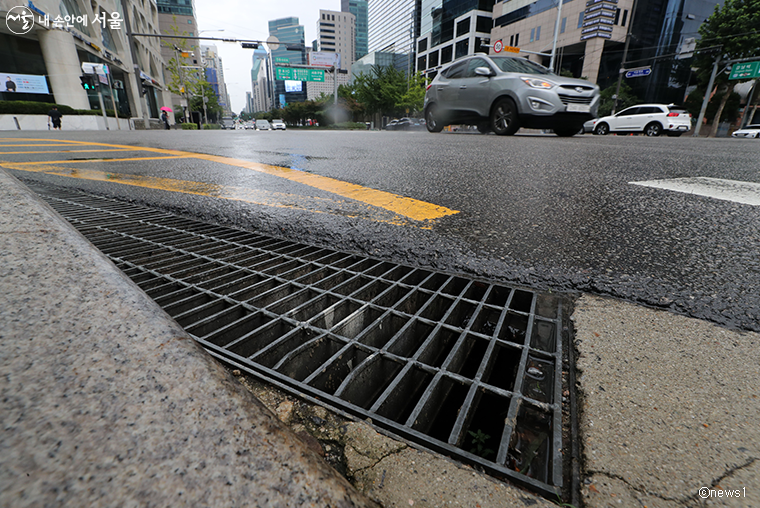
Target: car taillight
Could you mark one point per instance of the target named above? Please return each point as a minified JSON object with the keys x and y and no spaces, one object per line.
{"x":673,"y":114}
{"x":428,"y":87}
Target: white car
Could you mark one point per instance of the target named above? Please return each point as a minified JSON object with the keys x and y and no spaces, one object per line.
{"x":651,"y":119}
{"x":749,"y":131}
{"x":278,"y":125}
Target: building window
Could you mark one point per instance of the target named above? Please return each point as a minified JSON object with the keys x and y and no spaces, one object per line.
{"x":562,"y":27}
{"x":463,"y":27}
{"x":463,"y":48}
{"x":538,"y":33}
{"x":421,"y":63}
{"x":446,"y":54}
{"x":580,"y":20}
{"x":512,"y":40}
{"x":625,"y":16}
{"x":433,"y":59}
{"x":422,"y":45}
{"x":532,"y":34}
{"x":617,"y":16}
{"x":483,"y":24}
{"x":517,"y":40}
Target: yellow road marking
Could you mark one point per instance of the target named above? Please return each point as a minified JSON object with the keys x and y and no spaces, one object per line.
{"x":407,"y":207}
{"x":256,"y":196}
{"x":39,"y":144}
{"x":70,"y":151}
{"x":75,"y":161}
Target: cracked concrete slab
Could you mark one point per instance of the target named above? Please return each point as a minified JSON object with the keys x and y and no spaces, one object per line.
{"x":669,"y":405}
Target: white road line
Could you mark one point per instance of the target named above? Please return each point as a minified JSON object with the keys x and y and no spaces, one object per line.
{"x":747,"y":193}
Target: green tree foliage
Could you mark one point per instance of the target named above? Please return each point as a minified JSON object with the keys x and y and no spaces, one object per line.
{"x":179,"y":76}
{"x":413,"y":100}
{"x":381,"y":90}
{"x":626,"y":98}
{"x":204,"y":89}
{"x":733,"y":27}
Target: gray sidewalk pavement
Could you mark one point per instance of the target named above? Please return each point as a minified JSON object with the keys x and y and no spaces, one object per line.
{"x":105,"y":401}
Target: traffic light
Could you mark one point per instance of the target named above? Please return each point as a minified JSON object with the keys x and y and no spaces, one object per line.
{"x":87,"y":82}
{"x":250,"y":45}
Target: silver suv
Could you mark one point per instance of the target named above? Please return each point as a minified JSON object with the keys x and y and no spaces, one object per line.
{"x":503,"y":93}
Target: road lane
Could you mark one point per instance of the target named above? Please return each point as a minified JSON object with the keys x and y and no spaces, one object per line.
{"x":410,"y":208}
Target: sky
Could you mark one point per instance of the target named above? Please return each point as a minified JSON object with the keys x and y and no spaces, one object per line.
{"x":249,"y":19}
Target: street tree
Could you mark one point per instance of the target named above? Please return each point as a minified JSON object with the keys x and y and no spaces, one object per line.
{"x":183,"y":79}
{"x":203,"y":89}
{"x":413,"y":100}
{"x":733,"y":27}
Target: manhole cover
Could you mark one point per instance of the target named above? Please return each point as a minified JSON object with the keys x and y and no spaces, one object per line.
{"x":465,"y":367}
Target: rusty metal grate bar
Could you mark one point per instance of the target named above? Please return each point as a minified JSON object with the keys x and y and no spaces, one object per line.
{"x":464,"y":367}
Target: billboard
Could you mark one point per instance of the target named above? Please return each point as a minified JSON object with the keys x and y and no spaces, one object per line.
{"x":293,"y":86}
{"x":23,"y":83}
{"x":324,"y":59}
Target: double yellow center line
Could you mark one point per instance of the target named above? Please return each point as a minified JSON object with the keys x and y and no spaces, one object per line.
{"x":409,"y":208}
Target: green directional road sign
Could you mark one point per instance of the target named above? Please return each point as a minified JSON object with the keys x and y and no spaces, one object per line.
{"x":298,"y":74}
{"x":747,"y":70}
{"x":281,"y":59}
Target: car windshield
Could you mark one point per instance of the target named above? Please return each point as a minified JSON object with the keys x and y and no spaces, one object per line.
{"x":520,"y":65}
{"x":752,"y":127}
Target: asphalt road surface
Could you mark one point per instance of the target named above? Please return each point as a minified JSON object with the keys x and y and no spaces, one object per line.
{"x":537,"y":210}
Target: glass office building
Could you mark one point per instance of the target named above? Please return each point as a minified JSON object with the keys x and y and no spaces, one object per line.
{"x":359,"y":9}
{"x":178,"y":7}
{"x":391,"y":29}
{"x":288,"y":32}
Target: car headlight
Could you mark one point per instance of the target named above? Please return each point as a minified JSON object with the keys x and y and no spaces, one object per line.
{"x":538,"y":83}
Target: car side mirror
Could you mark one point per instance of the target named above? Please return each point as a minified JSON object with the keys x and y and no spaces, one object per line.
{"x":483,"y":71}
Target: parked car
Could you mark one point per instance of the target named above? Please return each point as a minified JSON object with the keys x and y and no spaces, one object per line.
{"x":590,"y":126}
{"x":749,"y":131}
{"x":278,"y":125}
{"x":503,"y":93}
{"x":262,"y":125}
{"x":390,"y":126}
{"x":651,"y":119}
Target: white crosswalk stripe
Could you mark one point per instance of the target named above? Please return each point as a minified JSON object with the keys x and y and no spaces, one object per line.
{"x":747,"y":193}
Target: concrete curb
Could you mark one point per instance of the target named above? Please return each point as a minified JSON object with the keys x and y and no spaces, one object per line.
{"x":105,"y":401}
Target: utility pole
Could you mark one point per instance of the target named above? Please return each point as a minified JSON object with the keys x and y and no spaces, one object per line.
{"x":556,"y":34}
{"x":625,"y":55}
{"x":136,"y":67}
{"x":707,"y":97}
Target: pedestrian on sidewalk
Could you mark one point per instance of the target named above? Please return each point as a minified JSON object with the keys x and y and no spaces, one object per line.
{"x":165,"y":119}
{"x":55,"y":116}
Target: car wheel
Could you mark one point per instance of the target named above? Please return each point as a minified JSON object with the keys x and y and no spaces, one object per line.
{"x":566,"y":132}
{"x":484,"y":127}
{"x":504,"y":121}
{"x":602,"y":129}
{"x":653,"y":129}
{"x":432,"y":119}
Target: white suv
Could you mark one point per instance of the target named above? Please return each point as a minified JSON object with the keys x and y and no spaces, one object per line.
{"x":651,"y":119}
{"x":278,"y":125}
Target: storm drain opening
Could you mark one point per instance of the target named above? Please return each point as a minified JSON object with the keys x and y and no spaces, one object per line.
{"x":464,"y":367}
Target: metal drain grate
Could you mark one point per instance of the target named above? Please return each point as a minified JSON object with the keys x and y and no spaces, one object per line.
{"x":460,"y":366}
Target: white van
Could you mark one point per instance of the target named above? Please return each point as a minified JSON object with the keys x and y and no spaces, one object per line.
{"x":262,"y":125}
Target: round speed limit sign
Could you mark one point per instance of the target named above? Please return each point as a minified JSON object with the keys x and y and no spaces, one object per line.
{"x":498,"y":46}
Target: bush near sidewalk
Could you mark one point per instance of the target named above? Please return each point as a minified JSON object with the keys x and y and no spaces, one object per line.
{"x":42,"y":108}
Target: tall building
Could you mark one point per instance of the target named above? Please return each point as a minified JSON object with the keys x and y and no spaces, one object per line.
{"x":337,"y":34}
{"x":289,"y":33}
{"x":359,"y":9}
{"x":450,"y":29}
{"x":46,"y":54}
{"x":261,"y":84}
{"x":391,"y":29}
{"x":592,"y":37}
{"x":212,"y":62}
{"x":177,"y":17}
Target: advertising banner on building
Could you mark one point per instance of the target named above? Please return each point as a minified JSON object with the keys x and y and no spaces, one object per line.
{"x":23,"y":83}
{"x":324,"y":59}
